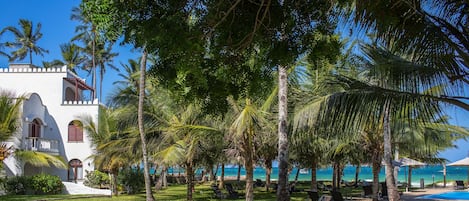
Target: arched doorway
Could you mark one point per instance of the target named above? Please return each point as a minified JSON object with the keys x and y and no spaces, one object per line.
{"x":35,"y":129}
{"x":75,"y":170}
{"x":34,"y":133}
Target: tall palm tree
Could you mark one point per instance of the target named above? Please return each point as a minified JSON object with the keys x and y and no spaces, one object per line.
{"x":71,"y":57}
{"x":141,"y":129}
{"x":104,"y":59}
{"x":26,"y":40}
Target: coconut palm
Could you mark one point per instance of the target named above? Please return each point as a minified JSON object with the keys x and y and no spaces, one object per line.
{"x":109,"y":154}
{"x":87,"y":34}
{"x":104,"y":58}
{"x":248,"y":121}
{"x":71,"y":57}
{"x":186,"y":140}
{"x":436,"y":29}
{"x":435,"y":32}
{"x":26,"y":40}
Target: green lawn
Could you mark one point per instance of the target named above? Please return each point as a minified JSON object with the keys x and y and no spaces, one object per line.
{"x":178,"y":192}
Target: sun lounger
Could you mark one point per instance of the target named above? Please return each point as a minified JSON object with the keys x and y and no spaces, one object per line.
{"x":259,"y":183}
{"x":231,"y":192}
{"x":337,"y":196}
{"x":367,"y":191}
{"x":313,"y":195}
{"x":217,"y":192}
{"x":325,"y":198}
{"x":459,"y":184}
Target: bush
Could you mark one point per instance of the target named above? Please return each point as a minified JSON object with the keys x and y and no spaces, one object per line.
{"x":132,"y":180}
{"x":46,"y":184}
{"x":18,"y":185}
{"x":96,"y":179}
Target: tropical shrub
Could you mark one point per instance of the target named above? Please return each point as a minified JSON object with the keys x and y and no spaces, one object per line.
{"x":96,"y":179}
{"x":132,"y":180}
{"x":18,"y":185}
{"x":46,"y":184}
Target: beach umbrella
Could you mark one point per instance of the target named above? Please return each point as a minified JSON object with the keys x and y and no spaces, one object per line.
{"x":410,"y":163}
{"x":463,"y":163}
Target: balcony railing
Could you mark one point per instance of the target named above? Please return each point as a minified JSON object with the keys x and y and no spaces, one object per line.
{"x":42,"y":145}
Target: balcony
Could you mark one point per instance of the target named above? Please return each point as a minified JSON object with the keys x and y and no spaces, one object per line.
{"x":42,"y":145}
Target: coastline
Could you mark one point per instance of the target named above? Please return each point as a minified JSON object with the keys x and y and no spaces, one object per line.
{"x":429,"y":174}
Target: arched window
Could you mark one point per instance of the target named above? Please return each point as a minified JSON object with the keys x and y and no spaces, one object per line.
{"x":69,"y":94}
{"x":35,"y":128}
{"x":75,"y":131}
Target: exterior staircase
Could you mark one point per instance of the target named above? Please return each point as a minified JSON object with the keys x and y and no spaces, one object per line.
{"x":78,"y":188}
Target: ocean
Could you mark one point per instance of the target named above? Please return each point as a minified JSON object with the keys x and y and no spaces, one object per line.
{"x":429,"y":174}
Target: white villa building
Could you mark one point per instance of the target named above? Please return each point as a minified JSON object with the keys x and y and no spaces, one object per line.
{"x":55,"y":98}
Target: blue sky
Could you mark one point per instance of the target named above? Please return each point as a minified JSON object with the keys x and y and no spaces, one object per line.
{"x":57,"y":28}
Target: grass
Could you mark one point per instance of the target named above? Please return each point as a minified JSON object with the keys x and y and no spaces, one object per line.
{"x":178,"y":192}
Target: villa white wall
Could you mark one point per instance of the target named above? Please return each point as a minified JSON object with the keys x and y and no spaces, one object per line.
{"x":49,"y":86}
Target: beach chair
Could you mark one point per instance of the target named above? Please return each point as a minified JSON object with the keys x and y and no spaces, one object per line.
{"x":231,"y":192}
{"x":367,"y":191}
{"x":259,"y":183}
{"x":459,"y":184}
{"x":325,"y":198}
{"x":384,"y":190}
{"x":274,"y":187}
{"x":313,"y":195}
{"x":337,"y":196}
{"x":217,"y":192}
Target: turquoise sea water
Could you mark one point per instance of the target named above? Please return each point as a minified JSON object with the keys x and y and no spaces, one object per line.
{"x":428,"y":173}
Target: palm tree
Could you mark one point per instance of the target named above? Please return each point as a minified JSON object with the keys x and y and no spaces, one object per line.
{"x":71,"y":57}
{"x":86,"y":34}
{"x":25,"y":41}
{"x":243,"y":131}
{"x":104,"y":59}
{"x":433,"y":30}
{"x":105,"y":139}
{"x":141,"y":129}
{"x":9,"y":121}
{"x":187,"y":138}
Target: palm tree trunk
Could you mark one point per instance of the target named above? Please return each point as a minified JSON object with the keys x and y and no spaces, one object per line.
{"x":31,"y":57}
{"x":314,"y":179}
{"x":238,"y":177}
{"x":282,"y":193}
{"x":410,"y":176}
{"x":101,"y":76}
{"x":268,"y":172}
{"x":393,"y":194}
{"x":334,"y":176}
{"x":357,"y":171}
{"x":297,"y":174}
{"x":141,"y":97}
{"x":114,"y":182}
{"x":164,"y":177}
{"x":93,"y":58}
{"x":190,"y":182}
{"x":222,"y":176}
{"x":375,"y":169}
{"x":249,"y":165}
